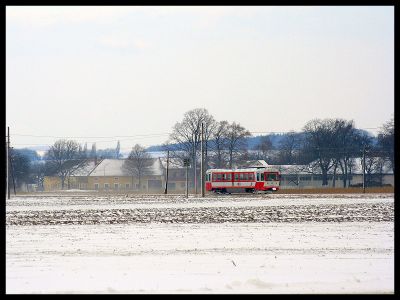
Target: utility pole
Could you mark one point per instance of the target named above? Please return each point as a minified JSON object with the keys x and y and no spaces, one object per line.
{"x":186,"y":163}
{"x":166,"y":180}
{"x":8,"y":160}
{"x":194,"y":167}
{"x":12,"y":175}
{"x":363,"y":167}
{"x":187,"y":184}
{"x":202,"y":160}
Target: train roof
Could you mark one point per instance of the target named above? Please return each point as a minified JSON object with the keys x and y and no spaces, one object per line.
{"x":267,"y":168}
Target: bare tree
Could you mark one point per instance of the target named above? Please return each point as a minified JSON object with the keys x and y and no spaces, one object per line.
{"x":386,"y":140}
{"x":263,"y":147}
{"x":347,"y":145}
{"x":289,"y":147}
{"x":117,"y":151}
{"x":63,"y":156}
{"x":93,"y":152}
{"x":186,"y":135}
{"x":235,"y":138}
{"x":138,"y":163}
{"x":320,"y":141}
{"x":219,"y":143}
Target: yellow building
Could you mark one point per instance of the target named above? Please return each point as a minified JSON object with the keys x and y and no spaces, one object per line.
{"x":77,"y":180}
{"x":111,"y":175}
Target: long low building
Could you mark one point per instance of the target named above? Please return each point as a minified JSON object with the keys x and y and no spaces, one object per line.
{"x":114,"y":175}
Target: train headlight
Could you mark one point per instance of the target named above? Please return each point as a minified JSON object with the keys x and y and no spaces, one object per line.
{"x":274,"y":189}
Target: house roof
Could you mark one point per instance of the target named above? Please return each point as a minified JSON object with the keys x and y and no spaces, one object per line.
{"x":82,"y":169}
{"x":173,"y":163}
{"x":114,"y":167}
{"x":254,"y":164}
{"x":313,"y":168}
{"x":85,"y":168}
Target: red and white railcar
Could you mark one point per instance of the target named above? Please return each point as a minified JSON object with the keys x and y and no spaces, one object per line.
{"x":243,"y":180}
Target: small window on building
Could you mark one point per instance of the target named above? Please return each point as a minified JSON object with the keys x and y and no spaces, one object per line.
{"x":96,"y":186}
{"x":106,"y":186}
{"x":115,"y":178}
{"x":127,"y":185}
{"x":96,"y":178}
{"x":116,"y":186}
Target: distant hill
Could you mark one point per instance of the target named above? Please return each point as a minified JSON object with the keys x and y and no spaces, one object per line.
{"x":253,"y":141}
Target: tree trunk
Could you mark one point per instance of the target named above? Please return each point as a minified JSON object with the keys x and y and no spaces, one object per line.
{"x":324,"y":177}
{"x":334,"y":176}
{"x":345,"y":175}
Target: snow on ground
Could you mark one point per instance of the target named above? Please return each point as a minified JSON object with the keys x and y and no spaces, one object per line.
{"x":315,"y":253}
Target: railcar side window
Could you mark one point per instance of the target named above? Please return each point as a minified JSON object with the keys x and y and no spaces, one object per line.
{"x":251,"y":176}
{"x":241,"y":176}
{"x":236,"y":177}
{"x":246,"y":176}
{"x":258,"y":176}
{"x":214,"y":177}
{"x":229,"y":177}
{"x":262,"y":176}
{"x":219,"y":177}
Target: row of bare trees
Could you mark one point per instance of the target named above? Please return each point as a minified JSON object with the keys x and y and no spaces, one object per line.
{"x":223,"y":142}
{"x":328,"y":145}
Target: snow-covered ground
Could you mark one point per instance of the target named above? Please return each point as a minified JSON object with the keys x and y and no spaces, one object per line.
{"x":169,"y":244}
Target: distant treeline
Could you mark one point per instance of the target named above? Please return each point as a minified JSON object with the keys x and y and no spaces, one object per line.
{"x":328,"y":144}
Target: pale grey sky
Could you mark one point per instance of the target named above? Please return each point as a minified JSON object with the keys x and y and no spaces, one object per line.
{"x":130,"y":73}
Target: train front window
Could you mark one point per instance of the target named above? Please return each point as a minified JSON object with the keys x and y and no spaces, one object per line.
{"x":258,"y":176}
{"x":272,"y":176}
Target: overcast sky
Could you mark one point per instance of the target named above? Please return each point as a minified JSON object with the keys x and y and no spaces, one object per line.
{"x":130,"y":73}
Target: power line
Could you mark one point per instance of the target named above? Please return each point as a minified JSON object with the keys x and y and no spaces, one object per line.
{"x":157,"y":134}
{"x":94,"y":137}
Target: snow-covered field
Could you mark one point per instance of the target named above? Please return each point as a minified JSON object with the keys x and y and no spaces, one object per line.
{"x":273,"y":243}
